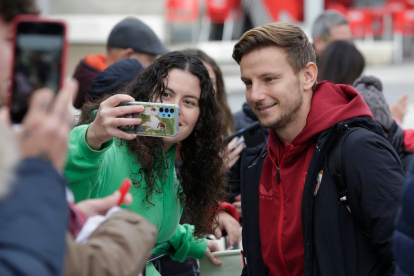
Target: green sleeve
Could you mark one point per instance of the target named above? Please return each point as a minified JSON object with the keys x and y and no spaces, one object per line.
{"x":84,"y":164}
{"x":183,"y":244}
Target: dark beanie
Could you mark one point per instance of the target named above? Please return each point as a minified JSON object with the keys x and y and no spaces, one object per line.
{"x":114,"y":76}
{"x":370,"y":89}
{"x":135,"y":34}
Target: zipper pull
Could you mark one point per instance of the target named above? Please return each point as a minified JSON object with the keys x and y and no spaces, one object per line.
{"x":278,"y":175}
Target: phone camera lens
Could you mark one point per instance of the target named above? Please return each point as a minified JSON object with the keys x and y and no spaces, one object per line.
{"x":166,"y":110}
{"x":172,"y":110}
{"x":169,"y":115}
{"x":161,"y":109}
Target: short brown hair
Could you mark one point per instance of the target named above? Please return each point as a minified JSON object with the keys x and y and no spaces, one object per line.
{"x":11,"y":8}
{"x":289,"y":37}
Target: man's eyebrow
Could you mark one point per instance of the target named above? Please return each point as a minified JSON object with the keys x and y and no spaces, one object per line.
{"x":273,"y":74}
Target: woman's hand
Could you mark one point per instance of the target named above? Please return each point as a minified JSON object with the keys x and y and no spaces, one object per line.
{"x":232,"y":227}
{"x":105,"y":126}
{"x":233,"y":155}
{"x":212,"y":246}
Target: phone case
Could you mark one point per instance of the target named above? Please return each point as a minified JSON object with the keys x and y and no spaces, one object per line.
{"x":157,"y":119}
{"x":35,"y":18}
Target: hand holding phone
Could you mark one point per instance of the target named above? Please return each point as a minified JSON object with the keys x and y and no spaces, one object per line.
{"x":109,"y":118}
{"x":39,"y":59}
{"x":157,"y":119}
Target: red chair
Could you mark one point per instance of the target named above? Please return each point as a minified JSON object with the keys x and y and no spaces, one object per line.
{"x":182,"y":11}
{"x":361,"y":23}
{"x":403,"y":26}
{"x":220,"y":12}
{"x":404,"y":22}
{"x":396,"y":5}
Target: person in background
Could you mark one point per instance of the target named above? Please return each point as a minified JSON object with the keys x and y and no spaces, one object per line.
{"x":227,"y":120}
{"x":294,"y":220}
{"x":130,"y":38}
{"x":370,"y":89}
{"x":340,"y":63}
{"x":328,"y":27}
{"x":109,"y":82}
{"x":100,"y":148}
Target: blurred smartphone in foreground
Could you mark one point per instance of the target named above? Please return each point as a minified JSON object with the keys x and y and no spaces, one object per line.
{"x":252,"y":136}
{"x":157,"y":119}
{"x":38,"y":61}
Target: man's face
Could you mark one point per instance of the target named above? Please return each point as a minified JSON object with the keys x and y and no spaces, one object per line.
{"x":340,"y":32}
{"x":273,"y":90}
{"x":5,"y":58}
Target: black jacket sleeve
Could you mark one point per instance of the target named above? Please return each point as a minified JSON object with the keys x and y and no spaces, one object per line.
{"x":374,"y":177}
{"x":34,"y":220}
{"x":404,"y":229}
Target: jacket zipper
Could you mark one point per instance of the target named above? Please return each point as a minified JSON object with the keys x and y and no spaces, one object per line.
{"x":281,"y":215}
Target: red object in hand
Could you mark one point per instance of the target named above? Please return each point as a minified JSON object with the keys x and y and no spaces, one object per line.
{"x":125,"y":186}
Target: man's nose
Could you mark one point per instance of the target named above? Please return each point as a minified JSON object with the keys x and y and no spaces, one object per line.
{"x":256,"y":93}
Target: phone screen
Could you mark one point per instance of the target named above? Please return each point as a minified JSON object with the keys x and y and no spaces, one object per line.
{"x":37,"y":62}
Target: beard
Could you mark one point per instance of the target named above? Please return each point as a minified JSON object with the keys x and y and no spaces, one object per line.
{"x":289,"y":114}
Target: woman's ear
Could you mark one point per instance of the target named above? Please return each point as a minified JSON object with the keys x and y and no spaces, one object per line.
{"x":310,"y":74}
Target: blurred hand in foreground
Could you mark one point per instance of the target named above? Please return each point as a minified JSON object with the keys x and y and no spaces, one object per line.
{"x":47,"y":124}
{"x":100,"y":206}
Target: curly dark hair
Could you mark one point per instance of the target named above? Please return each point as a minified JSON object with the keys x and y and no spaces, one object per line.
{"x":204,"y":180}
{"x":11,"y":8}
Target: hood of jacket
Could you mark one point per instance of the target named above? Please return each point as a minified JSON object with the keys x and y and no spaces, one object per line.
{"x":85,"y":73}
{"x":331,"y":104}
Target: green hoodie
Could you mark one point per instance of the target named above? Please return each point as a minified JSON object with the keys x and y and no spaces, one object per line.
{"x":95,"y":174}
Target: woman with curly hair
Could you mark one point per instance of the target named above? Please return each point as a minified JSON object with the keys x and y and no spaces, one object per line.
{"x":101,"y":156}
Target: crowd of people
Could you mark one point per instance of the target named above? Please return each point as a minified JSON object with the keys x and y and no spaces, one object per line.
{"x":326,"y":194}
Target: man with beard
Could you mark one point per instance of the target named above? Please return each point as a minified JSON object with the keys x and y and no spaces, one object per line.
{"x":294,"y":220}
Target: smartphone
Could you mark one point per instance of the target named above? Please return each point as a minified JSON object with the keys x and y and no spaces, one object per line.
{"x":39,"y":58}
{"x":252,"y":136}
{"x":123,"y":189}
{"x":157,"y":119}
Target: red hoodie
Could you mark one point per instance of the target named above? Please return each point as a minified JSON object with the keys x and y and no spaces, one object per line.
{"x":284,"y":173}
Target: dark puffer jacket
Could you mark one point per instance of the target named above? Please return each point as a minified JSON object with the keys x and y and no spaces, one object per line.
{"x":404,"y":229}
{"x":34,"y":220}
{"x":336,"y":242}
